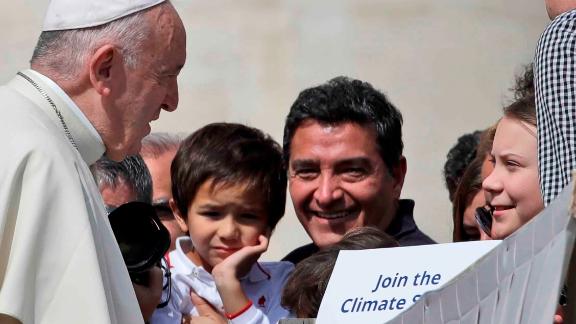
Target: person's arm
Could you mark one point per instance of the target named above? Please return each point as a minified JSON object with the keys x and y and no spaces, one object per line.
{"x":554,"y":75}
{"x":226,"y":276}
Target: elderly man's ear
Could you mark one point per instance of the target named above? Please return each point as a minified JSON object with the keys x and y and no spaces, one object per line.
{"x":105,"y":69}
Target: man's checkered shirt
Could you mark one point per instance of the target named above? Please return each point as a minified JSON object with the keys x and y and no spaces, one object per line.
{"x":555,"y":82}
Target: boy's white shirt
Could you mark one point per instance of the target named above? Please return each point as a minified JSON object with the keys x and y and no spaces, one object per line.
{"x":263,"y":285}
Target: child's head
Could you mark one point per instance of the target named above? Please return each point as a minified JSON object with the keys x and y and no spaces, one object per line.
{"x":512,"y":188}
{"x":305,"y":287}
{"x":228,"y":186}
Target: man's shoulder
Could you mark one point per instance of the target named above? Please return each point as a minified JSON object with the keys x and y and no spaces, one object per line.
{"x":415,"y":237}
{"x":564,"y":24}
{"x":27,"y":131}
{"x":301,"y":253}
{"x":404,"y":228}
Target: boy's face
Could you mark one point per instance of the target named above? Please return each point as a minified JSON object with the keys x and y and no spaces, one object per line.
{"x":221,"y":220}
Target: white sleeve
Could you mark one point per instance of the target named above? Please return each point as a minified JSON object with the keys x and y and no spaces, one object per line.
{"x":251,"y":316}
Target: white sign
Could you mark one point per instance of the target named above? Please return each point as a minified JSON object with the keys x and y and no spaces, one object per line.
{"x":373,"y":286}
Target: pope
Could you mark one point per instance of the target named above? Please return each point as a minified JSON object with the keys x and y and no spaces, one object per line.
{"x":100,"y":73}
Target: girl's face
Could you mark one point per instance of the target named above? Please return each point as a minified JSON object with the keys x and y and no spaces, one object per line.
{"x":222,"y":219}
{"x":512,"y":189}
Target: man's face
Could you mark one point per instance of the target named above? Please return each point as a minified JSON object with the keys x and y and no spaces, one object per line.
{"x":149,"y":87}
{"x":338,"y":181}
{"x":116,"y":196}
{"x":162,"y":192}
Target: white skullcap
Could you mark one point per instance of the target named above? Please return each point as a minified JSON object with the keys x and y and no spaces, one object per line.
{"x":75,"y":14}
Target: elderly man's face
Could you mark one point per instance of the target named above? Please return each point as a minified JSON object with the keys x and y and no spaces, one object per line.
{"x":338,"y":181}
{"x":149,"y":87}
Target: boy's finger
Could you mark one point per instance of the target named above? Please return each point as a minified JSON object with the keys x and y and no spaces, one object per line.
{"x":264,"y":240}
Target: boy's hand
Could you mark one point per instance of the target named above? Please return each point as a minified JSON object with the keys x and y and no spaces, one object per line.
{"x":206,"y":313}
{"x":239,"y":263}
{"x":227,"y":273}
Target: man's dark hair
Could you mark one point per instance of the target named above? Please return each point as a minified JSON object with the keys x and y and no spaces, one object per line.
{"x":458,"y":158}
{"x":230,"y":154}
{"x":344,"y":100}
{"x":132,"y":169}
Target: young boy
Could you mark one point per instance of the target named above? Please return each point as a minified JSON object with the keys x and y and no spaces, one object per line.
{"x":229,"y":190}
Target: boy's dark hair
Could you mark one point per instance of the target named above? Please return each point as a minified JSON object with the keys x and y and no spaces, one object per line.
{"x":304,"y":289}
{"x":458,"y":158}
{"x":230,"y":154}
{"x":345,"y":100}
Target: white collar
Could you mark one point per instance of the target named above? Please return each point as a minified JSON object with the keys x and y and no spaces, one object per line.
{"x":73,"y":106}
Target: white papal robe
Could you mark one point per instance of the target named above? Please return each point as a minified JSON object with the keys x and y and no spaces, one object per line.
{"x":59,"y":260}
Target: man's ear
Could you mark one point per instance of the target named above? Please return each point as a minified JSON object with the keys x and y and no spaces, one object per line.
{"x":399,"y":173}
{"x":101,"y":65}
{"x":178,"y":215}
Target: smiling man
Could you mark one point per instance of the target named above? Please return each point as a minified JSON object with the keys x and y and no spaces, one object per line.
{"x":343,"y":148}
{"x":100,"y":73}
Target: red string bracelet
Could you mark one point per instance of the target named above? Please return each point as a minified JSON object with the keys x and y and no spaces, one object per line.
{"x":242,"y":310}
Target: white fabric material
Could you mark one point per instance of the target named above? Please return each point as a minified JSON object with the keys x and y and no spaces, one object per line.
{"x":71,"y":104}
{"x":263,"y":285}
{"x":75,"y":14}
{"x":59,"y":261}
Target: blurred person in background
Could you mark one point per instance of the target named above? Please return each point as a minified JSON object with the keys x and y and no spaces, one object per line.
{"x":469,"y":195}
{"x":158,"y":151}
{"x":120,"y":183}
{"x":458,"y":159}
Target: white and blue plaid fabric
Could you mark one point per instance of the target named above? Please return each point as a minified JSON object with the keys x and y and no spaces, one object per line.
{"x":555,"y":82}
